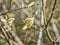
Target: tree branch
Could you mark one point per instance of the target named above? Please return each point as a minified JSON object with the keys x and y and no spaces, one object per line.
{"x":46,"y":27}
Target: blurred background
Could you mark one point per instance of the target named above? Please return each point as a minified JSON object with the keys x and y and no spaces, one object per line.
{"x":32,"y":8}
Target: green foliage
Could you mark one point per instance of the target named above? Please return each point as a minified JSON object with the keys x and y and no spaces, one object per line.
{"x":31,"y":43}
{"x":3,"y":42}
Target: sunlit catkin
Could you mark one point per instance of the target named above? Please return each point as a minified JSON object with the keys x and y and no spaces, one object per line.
{"x":28,"y":22}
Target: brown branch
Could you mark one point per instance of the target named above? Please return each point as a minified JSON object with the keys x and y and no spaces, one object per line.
{"x":6,"y":37}
{"x":45,"y":21}
{"x":51,"y":14}
{"x":46,"y":27}
{"x":44,"y":11}
{"x":3,"y":37}
{"x":4,"y":13}
{"x":9,"y":7}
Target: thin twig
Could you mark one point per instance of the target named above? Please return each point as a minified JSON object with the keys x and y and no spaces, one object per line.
{"x":16,"y":9}
{"x":51,"y":14}
{"x":44,"y":10}
{"x":45,"y":21}
{"x":46,"y":27}
{"x":6,"y":37}
{"x":9,"y":7}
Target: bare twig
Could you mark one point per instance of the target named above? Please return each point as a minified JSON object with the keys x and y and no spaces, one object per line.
{"x":51,"y":15}
{"x":6,"y":37}
{"x":10,"y":1}
{"x":17,"y":9}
